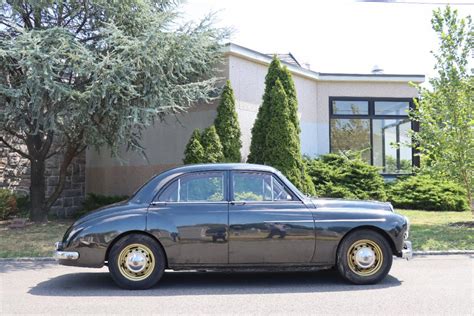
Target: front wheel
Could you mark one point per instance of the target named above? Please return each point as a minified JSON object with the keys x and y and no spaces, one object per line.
{"x":136,"y":262}
{"x":364,"y":257}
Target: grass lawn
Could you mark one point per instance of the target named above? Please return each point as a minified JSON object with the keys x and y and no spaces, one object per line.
{"x":35,"y":240}
{"x":432,"y":230}
{"x":429,"y":231}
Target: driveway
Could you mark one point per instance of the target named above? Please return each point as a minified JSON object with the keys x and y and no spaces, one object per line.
{"x":425,"y":285}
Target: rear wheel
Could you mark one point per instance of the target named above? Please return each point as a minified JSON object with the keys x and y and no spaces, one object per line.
{"x":136,"y":262}
{"x":364,"y":257}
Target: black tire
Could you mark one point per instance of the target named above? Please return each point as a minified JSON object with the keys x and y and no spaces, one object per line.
{"x":351,"y":271}
{"x":153,"y":272}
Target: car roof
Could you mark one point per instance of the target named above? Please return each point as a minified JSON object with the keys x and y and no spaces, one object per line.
{"x":221,"y":166}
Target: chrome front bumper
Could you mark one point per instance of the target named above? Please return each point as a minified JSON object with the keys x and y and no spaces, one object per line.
{"x":64,"y":255}
{"x":407,"y":251}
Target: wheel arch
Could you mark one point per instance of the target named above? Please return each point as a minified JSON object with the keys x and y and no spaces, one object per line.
{"x":376,"y":229}
{"x":137,"y":232}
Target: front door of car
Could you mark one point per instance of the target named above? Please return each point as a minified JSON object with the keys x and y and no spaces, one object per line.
{"x":268,"y":224}
{"x":191,"y":214}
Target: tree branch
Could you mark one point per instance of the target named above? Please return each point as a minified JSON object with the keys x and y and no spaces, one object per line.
{"x":69,"y":155}
{"x":12,"y":148}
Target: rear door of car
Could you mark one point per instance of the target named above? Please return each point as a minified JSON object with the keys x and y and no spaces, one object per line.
{"x":268,"y":224}
{"x":191,"y":217}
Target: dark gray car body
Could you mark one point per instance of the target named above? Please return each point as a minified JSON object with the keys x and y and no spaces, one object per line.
{"x":304,"y":232}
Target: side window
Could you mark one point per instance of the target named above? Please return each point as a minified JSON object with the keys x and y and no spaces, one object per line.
{"x":196,"y":187}
{"x":258,"y":187}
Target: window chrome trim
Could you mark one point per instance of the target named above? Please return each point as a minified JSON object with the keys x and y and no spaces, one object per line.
{"x":274,"y":177}
{"x":158,"y":203}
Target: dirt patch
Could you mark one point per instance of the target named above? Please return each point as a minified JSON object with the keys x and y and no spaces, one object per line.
{"x":469,"y":224}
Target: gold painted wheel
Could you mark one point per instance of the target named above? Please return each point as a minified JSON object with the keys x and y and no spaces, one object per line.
{"x":365,"y":257}
{"x":136,"y":262}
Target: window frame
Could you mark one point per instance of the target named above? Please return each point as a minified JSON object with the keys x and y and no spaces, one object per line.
{"x":294,"y":197}
{"x":225,"y":183}
{"x":415,"y":162}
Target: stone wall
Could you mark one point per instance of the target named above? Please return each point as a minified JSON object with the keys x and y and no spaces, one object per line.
{"x":15,"y":175}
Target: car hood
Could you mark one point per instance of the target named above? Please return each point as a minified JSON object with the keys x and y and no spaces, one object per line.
{"x":103,"y":211}
{"x":352,"y":204}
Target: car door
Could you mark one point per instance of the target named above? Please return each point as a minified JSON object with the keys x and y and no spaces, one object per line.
{"x":192,"y":211}
{"x":268,"y":224}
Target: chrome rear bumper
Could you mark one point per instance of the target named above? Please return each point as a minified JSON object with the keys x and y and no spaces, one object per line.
{"x":64,"y":255}
{"x":407,"y":251}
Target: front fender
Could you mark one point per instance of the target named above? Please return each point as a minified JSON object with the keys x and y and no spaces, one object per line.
{"x":92,"y":238}
{"x":332,"y":226}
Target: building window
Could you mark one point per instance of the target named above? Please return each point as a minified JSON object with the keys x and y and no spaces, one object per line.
{"x":379,"y":128}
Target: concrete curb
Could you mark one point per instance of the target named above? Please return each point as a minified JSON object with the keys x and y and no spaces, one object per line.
{"x":415,"y":253}
{"x":443,"y":252}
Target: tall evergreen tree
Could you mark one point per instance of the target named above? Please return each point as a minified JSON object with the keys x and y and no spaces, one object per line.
{"x":259,"y":129}
{"x":227,"y":125}
{"x":289,"y":85}
{"x":194,"y":152}
{"x":262,"y":128}
{"x":282,"y":143}
{"x":212,"y":146}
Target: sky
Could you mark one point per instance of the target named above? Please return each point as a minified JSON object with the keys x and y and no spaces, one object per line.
{"x":339,"y":36}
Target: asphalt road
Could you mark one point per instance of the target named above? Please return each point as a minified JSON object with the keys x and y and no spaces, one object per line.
{"x":435,"y":285}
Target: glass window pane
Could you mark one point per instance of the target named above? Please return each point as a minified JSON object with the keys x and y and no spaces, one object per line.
{"x":279,"y":191}
{"x":391,"y":108}
{"x":392,"y":145}
{"x":170,"y":194}
{"x":252,"y":187}
{"x":405,"y":147}
{"x":350,"y":107}
{"x":200,"y":187}
{"x":351,"y":135}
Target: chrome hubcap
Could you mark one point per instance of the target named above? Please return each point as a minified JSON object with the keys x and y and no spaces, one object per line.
{"x":365,"y":257}
{"x":136,"y":261}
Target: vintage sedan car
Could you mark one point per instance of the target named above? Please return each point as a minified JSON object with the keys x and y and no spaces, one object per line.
{"x":231,"y":217}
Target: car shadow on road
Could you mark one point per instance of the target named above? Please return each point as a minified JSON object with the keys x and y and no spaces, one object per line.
{"x":207,"y":283}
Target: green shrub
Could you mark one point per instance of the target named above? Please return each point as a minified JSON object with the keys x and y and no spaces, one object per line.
{"x":8,"y":206}
{"x":422,"y":192}
{"x":94,"y":201}
{"x":212,"y":145}
{"x":345,"y":177}
{"x":194,"y":152}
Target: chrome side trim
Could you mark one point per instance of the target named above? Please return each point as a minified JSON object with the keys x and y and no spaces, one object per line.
{"x":351,"y":220}
{"x":330,"y":220}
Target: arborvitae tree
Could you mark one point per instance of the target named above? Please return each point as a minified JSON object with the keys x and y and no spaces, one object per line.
{"x":212,"y":145}
{"x":260,"y":127}
{"x":289,"y":85}
{"x":194,"y":152}
{"x":282,"y":149}
{"x":227,"y":125}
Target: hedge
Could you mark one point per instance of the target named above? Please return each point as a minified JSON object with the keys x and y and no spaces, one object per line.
{"x":348,"y":177}
{"x":423,"y":192}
